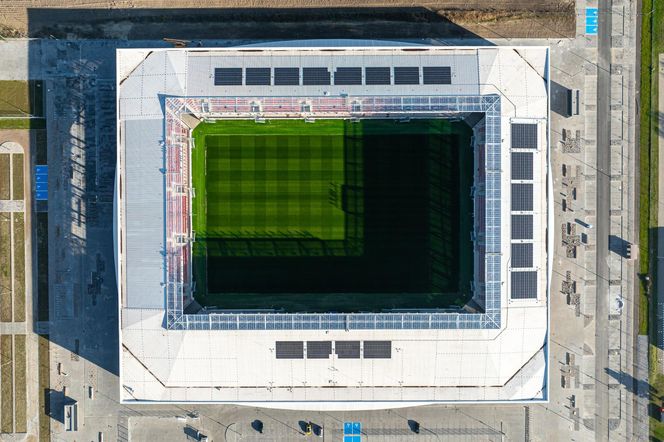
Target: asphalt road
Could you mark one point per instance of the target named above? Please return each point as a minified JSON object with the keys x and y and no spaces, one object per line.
{"x":602,"y":222}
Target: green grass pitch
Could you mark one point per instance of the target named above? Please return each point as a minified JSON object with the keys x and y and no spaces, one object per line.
{"x":252,"y":183}
{"x":331,"y":215}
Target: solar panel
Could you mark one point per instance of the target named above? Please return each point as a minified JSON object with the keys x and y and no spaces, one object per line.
{"x":344,"y":76}
{"x":257,"y":77}
{"x":315,"y":76}
{"x":524,"y":136}
{"x":286,"y":76}
{"x":522,"y":166}
{"x":522,"y":197}
{"x":228,"y":77}
{"x":522,"y":256}
{"x":289,"y":349}
{"x":522,"y":227}
{"x":319,"y":349}
{"x":407,"y":75}
{"x":377,"y":349}
{"x":347,"y":349}
{"x":377,"y":76}
{"x":437,"y":75}
{"x":524,"y":285}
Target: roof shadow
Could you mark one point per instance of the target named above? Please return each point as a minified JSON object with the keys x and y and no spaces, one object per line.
{"x":245,"y":24}
{"x":75,"y":295}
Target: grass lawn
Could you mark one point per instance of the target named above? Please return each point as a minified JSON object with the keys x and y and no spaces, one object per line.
{"x":652,"y":44}
{"x":44,"y":386}
{"x":287,"y":198}
{"x":5,"y":176}
{"x":20,"y":394}
{"x":17,"y":176}
{"x":19,"y":267}
{"x":5,"y":268}
{"x":6,"y":385}
{"x":18,"y":98}
{"x":22,"y":123}
{"x":273,"y":186}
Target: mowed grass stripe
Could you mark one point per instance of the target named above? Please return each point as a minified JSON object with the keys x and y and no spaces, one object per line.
{"x":6,"y":385}
{"x":273,"y":185}
{"x":19,"y":267}
{"x":5,"y":176}
{"x":17,"y":176}
{"x":5,"y":268}
{"x":20,"y":395}
{"x":44,"y":387}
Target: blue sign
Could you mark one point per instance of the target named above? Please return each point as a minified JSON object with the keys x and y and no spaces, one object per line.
{"x":41,"y":182}
{"x":592,"y":21}
{"x":354,"y":429}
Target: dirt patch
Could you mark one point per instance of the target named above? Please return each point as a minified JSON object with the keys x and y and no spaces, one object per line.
{"x":19,"y":267}
{"x":291,"y":19}
{"x":6,"y":385}
{"x":17,"y":176}
{"x":5,"y":268}
{"x":20,"y":395}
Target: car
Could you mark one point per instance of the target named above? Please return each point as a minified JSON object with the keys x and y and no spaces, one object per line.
{"x":308,"y":430}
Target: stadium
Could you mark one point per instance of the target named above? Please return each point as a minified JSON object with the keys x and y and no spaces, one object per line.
{"x":333,"y":224}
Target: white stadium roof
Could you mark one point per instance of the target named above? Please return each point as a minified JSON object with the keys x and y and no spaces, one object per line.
{"x":496,"y":355}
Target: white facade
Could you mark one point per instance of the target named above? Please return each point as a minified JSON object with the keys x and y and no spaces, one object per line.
{"x":166,"y":357}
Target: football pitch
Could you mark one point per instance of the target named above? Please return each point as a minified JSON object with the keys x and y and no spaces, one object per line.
{"x":332,"y":215}
{"x":273,"y":186}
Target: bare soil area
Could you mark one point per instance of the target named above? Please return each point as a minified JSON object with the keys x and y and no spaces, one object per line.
{"x":288,"y":19}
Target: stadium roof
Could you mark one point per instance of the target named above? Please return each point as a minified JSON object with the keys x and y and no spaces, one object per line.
{"x":499,"y":355}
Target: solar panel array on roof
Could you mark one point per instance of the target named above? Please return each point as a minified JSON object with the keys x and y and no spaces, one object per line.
{"x":257,"y":76}
{"x":522,"y":197}
{"x":286,"y":76}
{"x":347,"y":349}
{"x":524,"y":136}
{"x":348,"y":76}
{"x":376,"y":75}
{"x":436,"y":75}
{"x":522,"y":255}
{"x":406,"y":75}
{"x":315,"y":76}
{"x":228,"y":77}
{"x":377,"y":349}
{"x":319,"y":349}
{"x":289,"y":349}
{"x":522,"y":227}
{"x":522,"y":166}
{"x":524,"y":285}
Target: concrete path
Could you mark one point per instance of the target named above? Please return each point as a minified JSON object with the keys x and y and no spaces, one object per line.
{"x":603,"y":217}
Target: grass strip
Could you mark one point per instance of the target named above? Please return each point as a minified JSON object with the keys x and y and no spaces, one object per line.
{"x":5,"y":268}
{"x":6,"y":385}
{"x":20,"y":395}
{"x":17,"y":176}
{"x":44,"y":387}
{"x":4,"y":176}
{"x":22,"y":123}
{"x":19,"y":267}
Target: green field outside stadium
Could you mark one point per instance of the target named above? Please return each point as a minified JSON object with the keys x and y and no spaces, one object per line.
{"x":332,"y":215}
